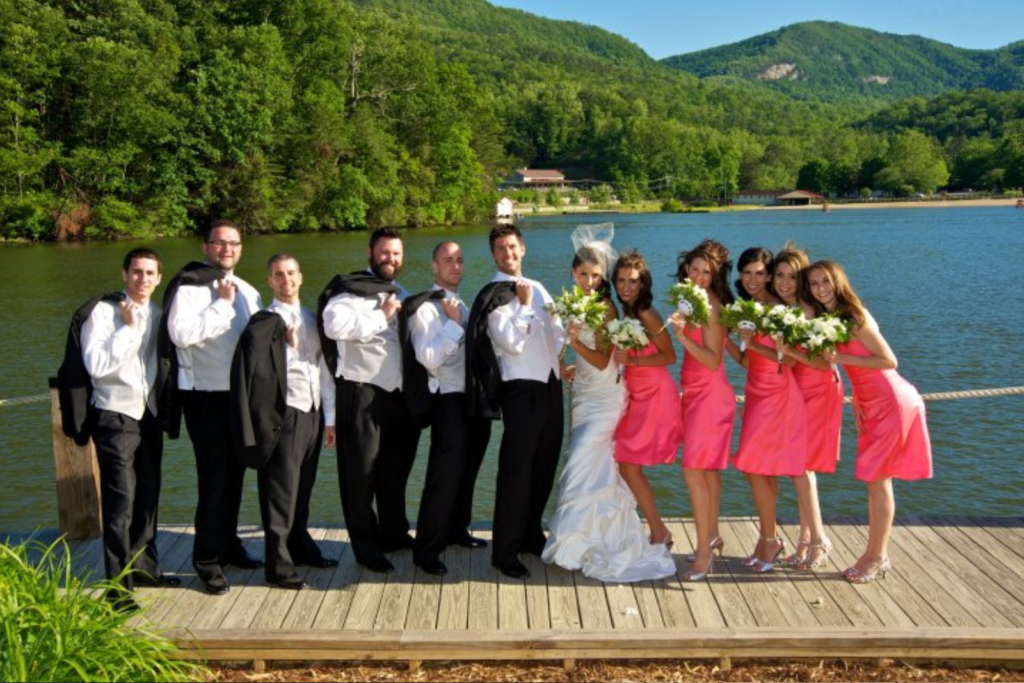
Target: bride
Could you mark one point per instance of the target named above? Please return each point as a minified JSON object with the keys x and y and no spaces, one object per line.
{"x":595,"y":527}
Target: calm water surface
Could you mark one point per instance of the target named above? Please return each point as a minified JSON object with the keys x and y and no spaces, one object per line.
{"x":944,"y":285}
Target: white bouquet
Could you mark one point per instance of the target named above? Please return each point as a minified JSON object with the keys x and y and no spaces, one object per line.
{"x":823,"y":334}
{"x":586,"y":310}
{"x":743,"y":314}
{"x":691,"y":301}
{"x":627,"y":334}
{"x":784,"y":325}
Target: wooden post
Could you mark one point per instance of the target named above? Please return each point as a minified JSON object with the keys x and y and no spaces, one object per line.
{"x":78,"y":480}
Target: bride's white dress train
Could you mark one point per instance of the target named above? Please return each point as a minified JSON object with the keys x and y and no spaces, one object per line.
{"x":595,"y":527}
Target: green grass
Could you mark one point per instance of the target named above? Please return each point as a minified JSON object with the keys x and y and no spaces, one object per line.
{"x":56,"y":627}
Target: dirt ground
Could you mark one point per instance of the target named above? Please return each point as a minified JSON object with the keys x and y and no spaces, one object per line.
{"x":825,"y":671}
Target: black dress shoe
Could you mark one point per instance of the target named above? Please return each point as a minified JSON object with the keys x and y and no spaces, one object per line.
{"x":292,"y":582}
{"x":403,"y":543}
{"x":319,"y":563}
{"x":162,"y":580}
{"x":513,"y":570}
{"x":244,"y":560}
{"x":377,"y":564}
{"x":468,"y":541}
{"x":122,"y":601}
{"x":216,"y":585}
{"x":433,"y":567}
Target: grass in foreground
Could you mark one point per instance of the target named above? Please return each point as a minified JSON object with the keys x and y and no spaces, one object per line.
{"x":55,"y":627}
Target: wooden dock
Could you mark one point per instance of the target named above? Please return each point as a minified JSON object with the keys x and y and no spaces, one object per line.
{"x":956,"y":593}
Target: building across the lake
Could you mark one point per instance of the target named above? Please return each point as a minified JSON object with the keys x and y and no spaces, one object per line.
{"x":776,"y":198}
{"x":534,"y":179}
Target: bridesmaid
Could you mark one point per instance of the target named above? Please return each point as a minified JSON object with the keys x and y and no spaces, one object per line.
{"x":773,"y":438}
{"x":892,"y":435}
{"x":651,"y":427}
{"x":708,"y":402}
{"x":822,"y":390}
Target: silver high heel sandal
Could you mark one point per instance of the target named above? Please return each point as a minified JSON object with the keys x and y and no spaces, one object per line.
{"x":762,"y":567}
{"x":716,"y":544}
{"x":818,"y":555}
{"x":752,"y":560}
{"x":874,"y":570}
{"x":691,"y":575}
{"x":799,"y":555}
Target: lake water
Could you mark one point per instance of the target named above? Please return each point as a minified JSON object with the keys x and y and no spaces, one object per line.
{"x":944,"y":284}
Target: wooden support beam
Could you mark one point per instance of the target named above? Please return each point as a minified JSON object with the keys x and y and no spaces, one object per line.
{"x":78,"y":480}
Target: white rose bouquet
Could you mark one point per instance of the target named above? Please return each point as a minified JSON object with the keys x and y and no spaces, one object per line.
{"x":627,"y":334}
{"x":784,"y":325}
{"x":691,"y":301}
{"x":743,"y":314}
{"x":822,"y":334}
{"x":586,"y":310}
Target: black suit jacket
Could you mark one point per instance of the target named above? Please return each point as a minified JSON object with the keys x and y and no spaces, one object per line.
{"x":483,"y":374}
{"x":166,"y":385}
{"x":415,"y":378}
{"x":259,"y":389}
{"x":360,"y":283}
{"x":74,"y":385}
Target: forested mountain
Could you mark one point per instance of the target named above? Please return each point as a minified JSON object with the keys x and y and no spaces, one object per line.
{"x":122,"y":118}
{"x":838,"y":63}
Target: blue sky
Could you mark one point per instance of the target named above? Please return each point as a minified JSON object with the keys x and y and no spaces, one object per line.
{"x":668,"y":27}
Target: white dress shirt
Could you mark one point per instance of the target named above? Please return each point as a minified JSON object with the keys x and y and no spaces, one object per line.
{"x":206,"y":329}
{"x":368,"y":346}
{"x":308,"y":378}
{"x":440,"y":344}
{"x":526,"y":339}
{"x":121,"y":359}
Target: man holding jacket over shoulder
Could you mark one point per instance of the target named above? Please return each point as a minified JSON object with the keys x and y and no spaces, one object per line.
{"x":279,"y":381}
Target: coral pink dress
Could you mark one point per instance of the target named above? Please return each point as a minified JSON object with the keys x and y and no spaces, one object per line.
{"x":708,"y":408}
{"x":773,"y":440}
{"x":823,"y":397}
{"x":892,"y":435}
{"x":651,"y":428}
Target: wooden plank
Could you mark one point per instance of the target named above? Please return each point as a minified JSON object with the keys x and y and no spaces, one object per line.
{"x":998,"y":562}
{"x":622,"y":605}
{"x":702,"y":606}
{"x":338,"y":594}
{"x":483,"y":593}
{"x":279,"y":602}
{"x":512,"y":604}
{"x":1003,"y":532}
{"x":646,"y":596}
{"x":424,"y":603}
{"x":593,"y":602}
{"x":948,"y":577}
{"x":369,"y":591}
{"x":78,"y":480}
{"x":728,"y":594}
{"x":537,"y":609}
{"x":922,"y":597}
{"x":847,"y":546}
{"x":756,"y":588}
{"x":175,"y":559}
{"x":809,"y":588}
{"x":453,"y":611}
{"x":394,"y":604}
{"x":215,"y":608}
{"x":565,"y":608}
{"x":979,"y":570}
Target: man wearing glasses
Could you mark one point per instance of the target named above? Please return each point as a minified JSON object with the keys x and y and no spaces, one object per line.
{"x":207,"y":307}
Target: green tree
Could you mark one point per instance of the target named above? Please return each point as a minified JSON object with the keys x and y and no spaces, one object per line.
{"x":914,"y":162}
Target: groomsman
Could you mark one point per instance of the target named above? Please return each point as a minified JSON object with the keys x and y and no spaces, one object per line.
{"x":526,"y":341}
{"x":278,"y":382}
{"x":206,"y":308}
{"x":118,"y":344}
{"x":457,"y":441}
{"x":377,"y":434}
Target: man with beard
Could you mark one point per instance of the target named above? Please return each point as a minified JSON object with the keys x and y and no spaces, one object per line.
{"x":206,"y":308}
{"x":377,"y":434}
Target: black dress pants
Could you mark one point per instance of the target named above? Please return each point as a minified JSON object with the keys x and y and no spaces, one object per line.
{"x":455,"y":457}
{"x":220,"y":477}
{"x":378,"y":438}
{"x":129,"y":453}
{"x":527,"y":462}
{"x":280,"y":486}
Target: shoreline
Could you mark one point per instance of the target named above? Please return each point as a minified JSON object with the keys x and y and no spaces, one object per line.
{"x":908,"y":204}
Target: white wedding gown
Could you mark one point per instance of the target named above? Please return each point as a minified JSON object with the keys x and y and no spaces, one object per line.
{"x":595,"y":527}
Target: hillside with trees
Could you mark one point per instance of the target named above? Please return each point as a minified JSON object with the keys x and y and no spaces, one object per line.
{"x":834,"y":62}
{"x":129,"y":118}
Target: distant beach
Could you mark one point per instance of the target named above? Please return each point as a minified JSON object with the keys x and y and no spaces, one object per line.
{"x":909,"y":204}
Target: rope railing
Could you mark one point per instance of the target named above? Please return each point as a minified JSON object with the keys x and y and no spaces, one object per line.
{"x":936,"y":396}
